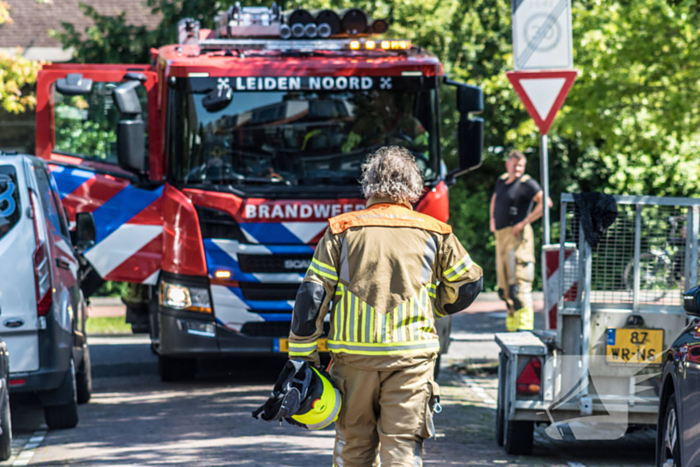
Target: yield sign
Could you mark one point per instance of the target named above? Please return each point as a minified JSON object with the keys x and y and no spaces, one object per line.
{"x":543,"y":93}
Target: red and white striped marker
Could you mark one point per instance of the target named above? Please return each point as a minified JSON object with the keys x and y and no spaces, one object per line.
{"x":551,"y":296}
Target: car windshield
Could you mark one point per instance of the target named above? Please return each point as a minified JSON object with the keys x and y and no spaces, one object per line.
{"x":304,"y":137}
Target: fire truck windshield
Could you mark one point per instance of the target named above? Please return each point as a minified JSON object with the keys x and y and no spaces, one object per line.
{"x":300,"y":138}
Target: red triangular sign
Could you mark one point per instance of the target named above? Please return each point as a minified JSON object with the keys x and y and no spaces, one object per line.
{"x":543,"y":93}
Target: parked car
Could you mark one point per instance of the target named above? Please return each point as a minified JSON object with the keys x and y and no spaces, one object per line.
{"x":42,"y":309}
{"x":5,"y":422}
{"x":677,"y":440}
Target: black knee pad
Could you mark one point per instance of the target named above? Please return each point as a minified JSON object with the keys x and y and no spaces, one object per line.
{"x":513,"y":292}
{"x":502,"y":294}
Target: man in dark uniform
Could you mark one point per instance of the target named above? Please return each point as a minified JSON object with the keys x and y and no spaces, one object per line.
{"x":515,"y":204}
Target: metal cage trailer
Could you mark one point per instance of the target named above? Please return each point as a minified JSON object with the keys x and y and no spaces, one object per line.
{"x":594,"y":373}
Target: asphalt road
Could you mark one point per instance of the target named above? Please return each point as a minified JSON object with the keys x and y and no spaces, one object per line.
{"x":135,"y":419}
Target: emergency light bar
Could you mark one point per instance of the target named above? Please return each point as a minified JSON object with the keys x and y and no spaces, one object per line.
{"x":240,"y":22}
{"x":393,"y":45}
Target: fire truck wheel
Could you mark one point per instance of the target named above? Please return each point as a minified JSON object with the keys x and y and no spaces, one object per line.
{"x":176,"y":369}
{"x":500,"y":410}
{"x":518,"y":436}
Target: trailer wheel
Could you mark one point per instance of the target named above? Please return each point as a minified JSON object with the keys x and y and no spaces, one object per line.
{"x":177,"y":369}
{"x":518,"y":436}
{"x":500,"y":410}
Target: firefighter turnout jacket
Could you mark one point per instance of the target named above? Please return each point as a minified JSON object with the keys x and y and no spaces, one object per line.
{"x":386,"y":273}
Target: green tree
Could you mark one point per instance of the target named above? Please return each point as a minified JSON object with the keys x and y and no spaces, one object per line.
{"x":17,"y":75}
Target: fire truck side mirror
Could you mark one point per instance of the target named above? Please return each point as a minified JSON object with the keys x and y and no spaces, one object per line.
{"x":131,"y":138}
{"x":471,"y":143}
{"x":470,"y":131}
{"x":470,"y":99}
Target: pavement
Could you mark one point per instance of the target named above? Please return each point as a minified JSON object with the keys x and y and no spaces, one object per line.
{"x":135,"y":419}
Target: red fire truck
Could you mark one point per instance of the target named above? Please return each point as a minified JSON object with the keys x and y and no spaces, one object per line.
{"x":211,"y":172}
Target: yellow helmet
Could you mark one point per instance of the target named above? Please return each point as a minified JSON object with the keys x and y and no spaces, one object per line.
{"x":304,"y":396}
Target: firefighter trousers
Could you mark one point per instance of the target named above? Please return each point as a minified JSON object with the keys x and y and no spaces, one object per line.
{"x":386,"y":415}
{"x":515,"y":270}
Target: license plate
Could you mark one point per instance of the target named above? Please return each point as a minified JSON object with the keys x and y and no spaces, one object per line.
{"x":282,"y":345}
{"x":634,"y":346}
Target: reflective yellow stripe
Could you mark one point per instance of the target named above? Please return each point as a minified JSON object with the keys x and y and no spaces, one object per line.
{"x":393,"y":348}
{"x":323,"y":274}
{"x":365,"y":322}
{"x":411,"y":317}
{"x":458,"y":269}
{"x":301,"y":345}
{"x":298,"y":349}
{"x":371,"y":325}
{"x":339,"y":314}
{"x":327,"y":267}
{"x":387,"y":317}
{"x":356,"y":312}
{"x":293,"y":353}
{"x":426,"y":311}
{"x":431,"y":290}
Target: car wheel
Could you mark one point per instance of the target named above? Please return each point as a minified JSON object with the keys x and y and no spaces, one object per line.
{"x":66,"y":415}
{"x":436,"y":370}
{"x":518,"y":436}
{"x":500,"y":399}
{"x":177,"y":369}
{"x":6,"y":425}
{"x":670,"y":442}
{"x":84,"y":378}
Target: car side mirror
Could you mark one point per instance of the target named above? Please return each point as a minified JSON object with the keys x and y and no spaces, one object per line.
{"x":690,"y":301}
{"x":470,"y":138}
{"x":74,"y":85}
{"x":131,"y":139}
{"x":85,"y":231}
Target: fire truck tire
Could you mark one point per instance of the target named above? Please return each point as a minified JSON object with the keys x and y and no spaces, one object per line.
{"x":500,"y":410}
{"x":5,"y":424}
{"x":173,"y":369}
{"x":518,"y":436}
{"x":64,"y":416}
{"x":83,"y":378}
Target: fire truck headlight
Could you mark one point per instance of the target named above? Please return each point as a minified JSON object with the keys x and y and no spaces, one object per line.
{"x":182,"y":297}
{"x":369,"y":45}
{"x":355,"y":45}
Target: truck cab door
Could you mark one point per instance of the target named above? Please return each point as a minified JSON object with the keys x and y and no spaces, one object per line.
{"x":76,"y":133}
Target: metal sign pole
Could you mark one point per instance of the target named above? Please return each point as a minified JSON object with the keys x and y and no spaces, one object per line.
{"x":544,"y":176}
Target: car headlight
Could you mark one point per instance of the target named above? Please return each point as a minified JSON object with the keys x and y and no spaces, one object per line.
{"x":182,"y":297}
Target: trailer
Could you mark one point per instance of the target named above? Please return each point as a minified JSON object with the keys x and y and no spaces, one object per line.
{"x":593,"y":372}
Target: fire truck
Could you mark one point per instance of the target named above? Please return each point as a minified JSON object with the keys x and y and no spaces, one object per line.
{"x":211,"y":172}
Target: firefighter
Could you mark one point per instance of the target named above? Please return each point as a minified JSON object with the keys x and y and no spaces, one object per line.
{"x":386,"y":274}
{"x":511,"y":215}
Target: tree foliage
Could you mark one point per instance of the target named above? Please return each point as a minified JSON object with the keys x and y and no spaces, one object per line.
{"x":17,"y":74}
{"x":630,"y":124}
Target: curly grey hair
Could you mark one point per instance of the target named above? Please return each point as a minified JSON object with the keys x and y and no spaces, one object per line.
{"x":392,"y":172}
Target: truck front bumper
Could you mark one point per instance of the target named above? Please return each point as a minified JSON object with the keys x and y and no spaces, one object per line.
{"x":187,"y":335}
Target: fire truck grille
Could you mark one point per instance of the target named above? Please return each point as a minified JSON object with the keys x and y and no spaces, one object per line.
{"x":274,"y":263}
{"x":218,"y":224}
{"x":273,"y":329}
{"x":266,"y":291}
